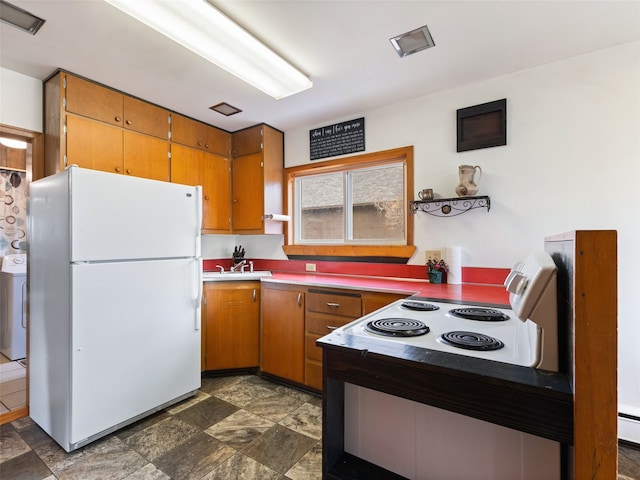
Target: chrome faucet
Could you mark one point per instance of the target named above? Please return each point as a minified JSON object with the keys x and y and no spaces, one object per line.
{"x":221,"y":268}
{"x":240,"y":265}
{"x":245,"y":266}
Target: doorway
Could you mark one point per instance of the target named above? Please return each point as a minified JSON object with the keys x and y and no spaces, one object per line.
{"x":21,"y":161}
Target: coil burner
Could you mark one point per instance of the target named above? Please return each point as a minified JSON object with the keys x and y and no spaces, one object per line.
{"x":397,"y":327}
{"x":419,"y":306}
{"x":480,"y":314}
{"x":471,"y":341}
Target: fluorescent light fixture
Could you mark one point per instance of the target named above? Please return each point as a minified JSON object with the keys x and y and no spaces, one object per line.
{"x":12,"y":143}
{"x":198,"y":26}
{"x":413,"y":41}
{"x":20,"y":18}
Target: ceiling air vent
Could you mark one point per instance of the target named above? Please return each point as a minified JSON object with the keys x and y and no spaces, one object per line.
{"x":413,"y":41}
{"x":225,"y":109}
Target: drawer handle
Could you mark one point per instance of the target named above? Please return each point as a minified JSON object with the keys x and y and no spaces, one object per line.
{"x":333,"y":305}
{"x":254,"y":295}
{"x":331,"y":327}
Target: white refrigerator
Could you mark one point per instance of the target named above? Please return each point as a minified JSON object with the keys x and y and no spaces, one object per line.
{"x":115,"y":284}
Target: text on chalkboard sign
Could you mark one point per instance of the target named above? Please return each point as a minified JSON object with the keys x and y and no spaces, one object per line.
{"x":338,"y":139}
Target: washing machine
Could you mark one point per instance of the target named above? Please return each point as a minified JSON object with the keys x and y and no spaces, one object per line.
{"x":13,"y":306}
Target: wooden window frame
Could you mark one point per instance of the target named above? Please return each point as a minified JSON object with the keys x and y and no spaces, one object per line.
{"x":351,"y":252}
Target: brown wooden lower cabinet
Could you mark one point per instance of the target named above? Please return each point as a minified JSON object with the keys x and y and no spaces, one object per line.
{"x":282,"y":333}
{"x":294,"y":317}
{"x":231,"y":327}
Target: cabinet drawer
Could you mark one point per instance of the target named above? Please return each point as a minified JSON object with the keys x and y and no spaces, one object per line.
{"x":323,"y":324}
{"x":335,"y":303}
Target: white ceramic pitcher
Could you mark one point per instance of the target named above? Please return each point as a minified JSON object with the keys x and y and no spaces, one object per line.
{"x":468,"y":185}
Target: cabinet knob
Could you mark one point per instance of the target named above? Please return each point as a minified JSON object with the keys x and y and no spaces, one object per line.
{"x":117,"y":119}
{"x":128,"y":171}
{"x":128,"y":122}
{"x":206,"y":197}
{"x":206,"y":145}
{"x":117,"y":169}
{"x":199,"y":144}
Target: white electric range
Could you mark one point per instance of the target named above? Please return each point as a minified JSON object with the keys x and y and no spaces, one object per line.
{"x":421,"y":441}
{"x":524,"y":335}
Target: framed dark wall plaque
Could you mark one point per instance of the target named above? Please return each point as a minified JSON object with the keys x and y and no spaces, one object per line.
{"x":338,"y":139}
{"x":482,"y":126}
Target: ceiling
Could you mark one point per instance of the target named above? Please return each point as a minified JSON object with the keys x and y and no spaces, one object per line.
{"x":342,"y":45}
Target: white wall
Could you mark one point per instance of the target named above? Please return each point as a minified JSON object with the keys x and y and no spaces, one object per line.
{"x":571,"y":162}
{"x":20,"y":100}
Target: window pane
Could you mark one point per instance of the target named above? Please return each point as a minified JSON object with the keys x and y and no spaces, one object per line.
{"x":322,"y":212}
{"x":378,"y":203}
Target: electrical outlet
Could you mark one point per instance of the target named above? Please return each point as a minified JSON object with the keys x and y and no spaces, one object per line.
{"x":434,"y":255}
{"x":310,"y":267}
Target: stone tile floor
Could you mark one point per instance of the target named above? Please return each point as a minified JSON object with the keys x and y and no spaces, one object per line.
{"x":240,"y":427}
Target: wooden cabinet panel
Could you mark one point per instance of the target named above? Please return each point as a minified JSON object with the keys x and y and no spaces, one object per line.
{"x":232,"y":338}
{"x":94,"y":101}
{"x":372,"y":301}
{"x":93,"y":145}
{"x":146,"y":156}
{"x":216,"y":141}
{"x":216,"y":193}
{"x":146,"y":118}
{"x":185,"y":165}
{"x":194,"y":167}
{"x":257,"y":179}
{"x":247,"y":188}
{"x":326,"y":310}
{"x":282,"y":333}
{"x":247,"y":141}
{"x":192,"y":133}
{"x":334,"y":303}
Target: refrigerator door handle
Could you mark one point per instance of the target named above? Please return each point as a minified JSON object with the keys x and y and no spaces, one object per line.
{"x":198,"y":302}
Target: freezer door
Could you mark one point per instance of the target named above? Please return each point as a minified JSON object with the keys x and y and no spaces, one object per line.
{"x":116,"y":217}
{"x":135,"y":340}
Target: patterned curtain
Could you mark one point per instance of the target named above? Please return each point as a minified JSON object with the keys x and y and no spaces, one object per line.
{"x":13,"y":212}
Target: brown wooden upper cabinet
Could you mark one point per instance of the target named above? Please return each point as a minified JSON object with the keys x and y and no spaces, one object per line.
{"x":192,"y":133}
{"x":247,"y":141}
{"x":110,"y":106}
{"x":93,"y":126}
{"x":257,"y":180}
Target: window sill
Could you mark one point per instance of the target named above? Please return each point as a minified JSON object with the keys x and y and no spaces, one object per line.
{"x":351,"y":253}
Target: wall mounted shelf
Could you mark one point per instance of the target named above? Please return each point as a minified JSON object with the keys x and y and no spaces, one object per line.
{"x":450,"y":207}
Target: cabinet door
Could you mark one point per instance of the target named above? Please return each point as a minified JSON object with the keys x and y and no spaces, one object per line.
{"x":233,"y":325}
{"x":216,"y":193}
{"x":185,"y":165}
{"x":94,"y":145}
{"x":282,"y":339}
{"x":185,"y":131}
{"x":146,"y":156}
{"x":216,"y":140}
{"x":248,"y":193}
{"x":247,"y":141}
{"x":146,"y":118}
{"x":94,"y":101}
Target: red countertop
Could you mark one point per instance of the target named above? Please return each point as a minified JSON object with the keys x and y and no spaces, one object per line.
{"x":468,"y":293}
{"x":480,"y":285}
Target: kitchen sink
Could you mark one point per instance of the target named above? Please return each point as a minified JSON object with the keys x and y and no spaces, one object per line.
{"x":234,"y":276}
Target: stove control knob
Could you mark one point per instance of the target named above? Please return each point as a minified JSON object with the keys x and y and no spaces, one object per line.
{"x":516,"y":283}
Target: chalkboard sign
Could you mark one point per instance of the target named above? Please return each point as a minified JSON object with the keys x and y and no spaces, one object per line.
{"x":338,"y":139}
